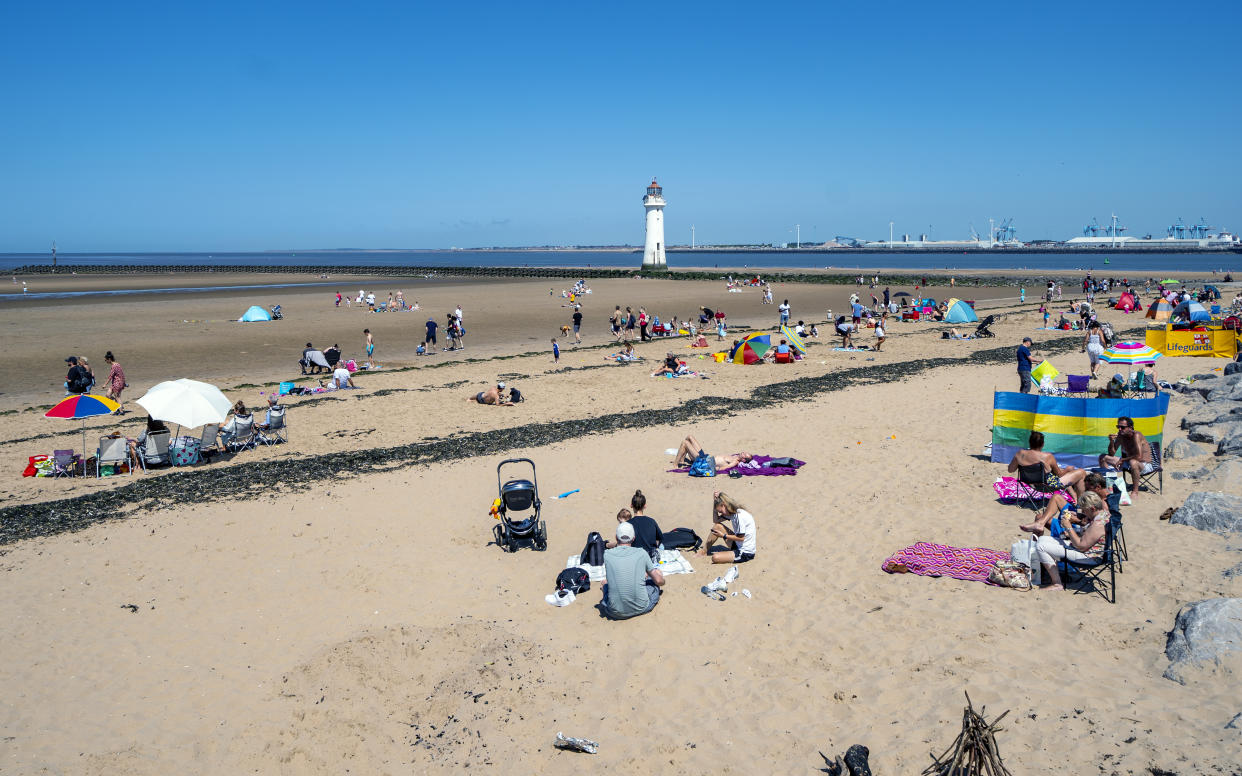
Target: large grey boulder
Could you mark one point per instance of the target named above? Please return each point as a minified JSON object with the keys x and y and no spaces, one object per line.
{"x":1231,"y":442}
{"x":1203,"y":634}
{"x":1228,"y":389}
{"x":1203,"y":385}
{"x":1233,"y":368}
{"x":1206,"y":414}
{"x":1219,"y":513}
{"x":1213,"y":433}
{"x":1227,"y":478}
{"x":1180,"y":449}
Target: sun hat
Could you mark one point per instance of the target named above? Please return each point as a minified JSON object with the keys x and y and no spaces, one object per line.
{"x":625,"y":532}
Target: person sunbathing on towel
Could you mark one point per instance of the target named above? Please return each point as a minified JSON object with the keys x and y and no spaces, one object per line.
{"x":1056,"y":477}
{"x":671,"y":366}
{"x":691,"y":449}
{"x":494,"y":396}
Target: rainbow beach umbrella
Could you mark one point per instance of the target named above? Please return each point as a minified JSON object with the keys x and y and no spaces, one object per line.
{"x":1130,"y":353}
{"x":81,"y":407}
{"x":751,"y":349}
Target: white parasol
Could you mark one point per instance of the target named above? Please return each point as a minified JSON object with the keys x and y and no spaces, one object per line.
{"x":185,"y":402}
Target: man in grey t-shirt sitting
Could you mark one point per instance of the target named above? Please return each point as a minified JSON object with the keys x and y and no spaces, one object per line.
{"x":632,"y":582}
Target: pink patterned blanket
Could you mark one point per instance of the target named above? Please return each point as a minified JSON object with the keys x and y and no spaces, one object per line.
{"x":1007,"y":490}
{"x":941,"y":560}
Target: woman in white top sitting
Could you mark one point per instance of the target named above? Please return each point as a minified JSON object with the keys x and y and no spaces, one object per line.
{"x":734,"y":528}
{"x":1082,"y":541}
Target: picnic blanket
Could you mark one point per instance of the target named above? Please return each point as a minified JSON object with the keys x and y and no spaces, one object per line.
{"x":940,"y":560}
{"x":760,"y":465}
{"x":1007,"y":490}
{"x":671,"y":562}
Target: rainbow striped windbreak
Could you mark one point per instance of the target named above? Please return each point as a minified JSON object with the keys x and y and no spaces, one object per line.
{"x":1075,"y":430}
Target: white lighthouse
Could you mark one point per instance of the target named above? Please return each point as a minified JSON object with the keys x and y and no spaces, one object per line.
{"x":653,"y":250}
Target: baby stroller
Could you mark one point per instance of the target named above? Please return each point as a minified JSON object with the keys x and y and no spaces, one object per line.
{"x":518,"y":496}
{"x":276,"y":313}
{"x":982,"y":330}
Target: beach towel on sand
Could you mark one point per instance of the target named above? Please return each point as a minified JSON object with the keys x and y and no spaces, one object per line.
{"x":940,"y":560}
{"x":1007,"y":490}
{"x":671,"y":562}
{"x":760,"y":465}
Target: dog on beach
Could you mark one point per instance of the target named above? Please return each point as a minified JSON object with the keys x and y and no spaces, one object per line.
{"x":565,"y":331}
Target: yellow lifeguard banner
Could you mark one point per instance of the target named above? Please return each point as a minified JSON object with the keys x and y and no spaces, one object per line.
{"x":1214,"y":342}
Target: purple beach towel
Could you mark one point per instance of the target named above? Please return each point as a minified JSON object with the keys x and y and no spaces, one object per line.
{"x":940,"y":560}
{"x":755,"y":467}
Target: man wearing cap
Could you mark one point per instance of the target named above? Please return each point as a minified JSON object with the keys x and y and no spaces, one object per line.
{"x":77,"y":380}
{"x":494,"y":396}
{"x":1024,"y":365}
{"x":632,"y":582}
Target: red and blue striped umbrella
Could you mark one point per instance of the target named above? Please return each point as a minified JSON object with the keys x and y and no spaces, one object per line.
{"x":86,"y":405}
{"x":81,"y":407}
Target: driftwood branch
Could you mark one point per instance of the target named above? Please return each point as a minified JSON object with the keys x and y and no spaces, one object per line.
{"x":974,"y":752}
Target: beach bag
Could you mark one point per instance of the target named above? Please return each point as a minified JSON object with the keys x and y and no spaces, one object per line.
{"x":1006,"y":573}
{"x":516,"y":396}
{"x":681,"y":539}
{"x":351,"y":365}
{"x":32,"y":467}
{"x":576,"y":580}
{"x":593,"y":552}
{"x":703,"y":466}
{"x":1023,"y":551}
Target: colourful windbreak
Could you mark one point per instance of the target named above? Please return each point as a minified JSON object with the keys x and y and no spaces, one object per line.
{"x":1075,"y":430}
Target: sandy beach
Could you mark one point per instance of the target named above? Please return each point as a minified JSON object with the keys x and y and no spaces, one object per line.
{"x":350,"y":613}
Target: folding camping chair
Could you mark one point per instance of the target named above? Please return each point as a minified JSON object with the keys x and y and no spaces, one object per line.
{"x":64,"y":463}
{"x":1138,"y":386}
{"x":154,"y":452}
{"x":1156,"y":473}
{"x":1031,"y":481}
{"x":1093,"y":571}
{"x":242,"y":435}
{"x":207,"y":443}
{"x":1076,"y":385}
{"x":113,"y":451}
{"x":276,"y":430}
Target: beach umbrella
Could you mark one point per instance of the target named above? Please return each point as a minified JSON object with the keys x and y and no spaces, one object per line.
{"x":751,"y":349}
{"x":81,"y":407}
{"x":793,"y":339}
{"x":1130,"y":353}
{"x":903,"y":293}
{"x":186,"y":402}
{"x":1170,"y":280}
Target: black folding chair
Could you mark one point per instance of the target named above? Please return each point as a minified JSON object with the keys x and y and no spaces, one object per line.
{"x":1093,"y":571}
{"x":1156,"y":473}
{"x":1119,"y":531}
{"x":1031,"y":481}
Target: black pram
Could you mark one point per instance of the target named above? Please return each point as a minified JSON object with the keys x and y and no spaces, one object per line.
{"x":983,"y":330}
{"x":518,"y":496}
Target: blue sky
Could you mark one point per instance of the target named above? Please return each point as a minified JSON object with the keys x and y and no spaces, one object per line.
{"x":247,"y":126}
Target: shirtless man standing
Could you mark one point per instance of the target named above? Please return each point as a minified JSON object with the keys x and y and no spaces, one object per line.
{"x":494,"y":396}
{"x":691,"y":448}
{"x":1128,"y":450}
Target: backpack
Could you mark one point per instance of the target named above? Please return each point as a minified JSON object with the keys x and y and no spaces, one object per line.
{"x":703,"y":466}
{"x":593,"y":552}
{"x":516,"y":396}
{"x":682,"y":539}
{"x":575,"y":580}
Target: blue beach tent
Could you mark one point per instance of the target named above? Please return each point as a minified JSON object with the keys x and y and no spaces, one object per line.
{"x":255,"y":313}
{"x":1192,"y":311}
{"x":960,"y":312}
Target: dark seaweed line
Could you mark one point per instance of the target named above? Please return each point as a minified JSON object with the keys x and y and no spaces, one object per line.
{"x":27,"y":521}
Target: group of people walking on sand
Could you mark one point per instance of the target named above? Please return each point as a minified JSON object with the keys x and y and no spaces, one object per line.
{"x":81,"y":378}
